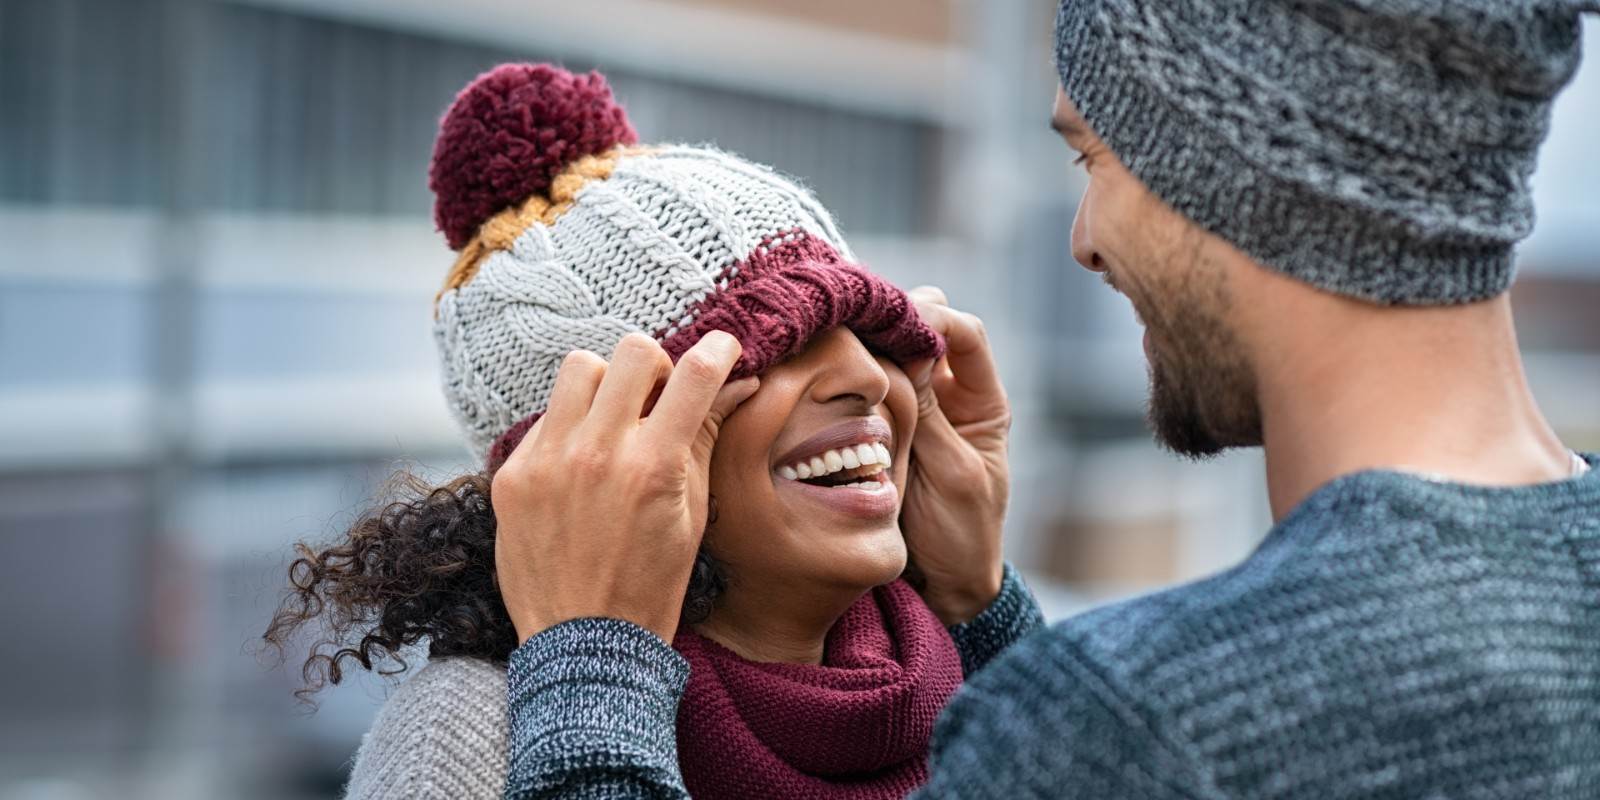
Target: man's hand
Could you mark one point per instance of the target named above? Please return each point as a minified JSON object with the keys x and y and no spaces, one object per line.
{"x":959,"y":482}
{"x":600,"y":509}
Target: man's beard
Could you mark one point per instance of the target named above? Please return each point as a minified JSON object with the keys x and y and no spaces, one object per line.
{"x":1202,"y":390}
{"x":1197,"y":416}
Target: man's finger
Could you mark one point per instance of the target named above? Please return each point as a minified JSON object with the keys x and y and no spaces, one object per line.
{"x":928,"y":294}
{"x":691,"y":389}
{"x":966,"y":348}
{"x":638,"y":365}
{"x":576,"y":382}
{"x":524,"y":448}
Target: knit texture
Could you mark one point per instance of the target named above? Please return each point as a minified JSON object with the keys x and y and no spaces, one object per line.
{"x":1379,"y":149}
{"x":606,"y":692}
{"x":1393,"y":638}
{"x":592,"y":705}
{"x":443,"y":734}
{"x":509,"y":133}
{"x":650,"y":249}
{"x":440,"y":736}
{"x":569,"y":241}
{"x":856,"y":726}
{"x":1011,"y":616}
{"x":793,"y":287}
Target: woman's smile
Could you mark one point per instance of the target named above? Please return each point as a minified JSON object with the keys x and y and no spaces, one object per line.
{"x":843,"y":467}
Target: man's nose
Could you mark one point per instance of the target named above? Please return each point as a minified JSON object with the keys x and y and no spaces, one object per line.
{"x":1083,"y":249}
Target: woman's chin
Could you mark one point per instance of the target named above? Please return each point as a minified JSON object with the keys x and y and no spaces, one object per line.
{"x":866,"y":559}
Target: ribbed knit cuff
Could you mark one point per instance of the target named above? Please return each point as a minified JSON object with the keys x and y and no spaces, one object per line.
{"x":1013,"y":615}
{"x":594,"y":698}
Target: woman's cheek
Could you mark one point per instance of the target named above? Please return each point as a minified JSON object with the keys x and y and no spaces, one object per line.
{"x":901,"y":405}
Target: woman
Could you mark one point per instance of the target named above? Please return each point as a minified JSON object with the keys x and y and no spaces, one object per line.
{"x":814,"y":671}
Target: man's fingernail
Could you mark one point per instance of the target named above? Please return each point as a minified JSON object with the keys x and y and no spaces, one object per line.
{"x":723,"y":340}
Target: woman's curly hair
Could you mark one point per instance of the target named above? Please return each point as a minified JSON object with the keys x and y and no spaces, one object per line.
{"x":419,"y":567}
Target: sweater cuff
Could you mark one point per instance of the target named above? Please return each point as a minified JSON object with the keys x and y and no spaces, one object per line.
{"x":1013,"y":615}
{"x":593,"y":696}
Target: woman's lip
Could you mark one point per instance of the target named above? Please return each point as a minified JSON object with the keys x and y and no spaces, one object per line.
{"x":855,"y":431}
{"x":876,"y":504}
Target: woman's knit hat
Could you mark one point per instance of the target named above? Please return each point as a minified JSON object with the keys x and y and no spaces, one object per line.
{"x":571,"y":236}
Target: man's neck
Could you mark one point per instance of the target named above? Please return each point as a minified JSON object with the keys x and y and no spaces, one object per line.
{"x":769,"y":621}
{"x":1437,"y":391}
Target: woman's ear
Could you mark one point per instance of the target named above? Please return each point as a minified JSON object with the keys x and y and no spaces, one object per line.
{"x":708,"y":579}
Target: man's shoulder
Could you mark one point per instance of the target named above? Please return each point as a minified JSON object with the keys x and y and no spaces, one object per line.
{"x":1137,"y":693}
{"x":1159,"y":633}
{"x":1049,"y":716}
{"x":1381,"y":608}
{"x":1364,"y":553}
{"x":1154,"y":655}
{"x":1152,"y":640}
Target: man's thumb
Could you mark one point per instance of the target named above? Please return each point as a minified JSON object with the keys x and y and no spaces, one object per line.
{"x":728,"y":398}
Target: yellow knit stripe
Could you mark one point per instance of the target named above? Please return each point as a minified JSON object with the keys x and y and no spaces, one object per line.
{"x":502,"y":229}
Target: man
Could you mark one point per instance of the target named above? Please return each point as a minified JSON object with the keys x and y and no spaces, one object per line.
{"x":1313,"y":208}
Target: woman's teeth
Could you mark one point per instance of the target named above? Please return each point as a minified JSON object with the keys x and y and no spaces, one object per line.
{"x":838,"y":460}
{"x":866,"y":486}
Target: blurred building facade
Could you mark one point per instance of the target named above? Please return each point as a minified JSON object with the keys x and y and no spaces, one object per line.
{"x":216,"y":268}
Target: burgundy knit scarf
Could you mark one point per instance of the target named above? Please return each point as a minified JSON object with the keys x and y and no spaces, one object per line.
{"x":855,"y":726}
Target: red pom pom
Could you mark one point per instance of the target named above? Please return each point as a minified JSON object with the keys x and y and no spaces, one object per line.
{"x":510,"y":133}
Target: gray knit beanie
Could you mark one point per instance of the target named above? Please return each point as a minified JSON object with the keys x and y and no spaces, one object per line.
{"x":1378,"y":149}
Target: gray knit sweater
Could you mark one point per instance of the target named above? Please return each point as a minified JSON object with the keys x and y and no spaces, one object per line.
{"x":440,"y":736}
{"x":1393,"y":637}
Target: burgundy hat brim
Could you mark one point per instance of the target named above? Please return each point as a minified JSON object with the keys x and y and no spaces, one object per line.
{"x":792,"y":288}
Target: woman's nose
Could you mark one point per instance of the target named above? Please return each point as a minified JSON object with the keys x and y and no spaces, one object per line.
{"x":845,"y":368}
